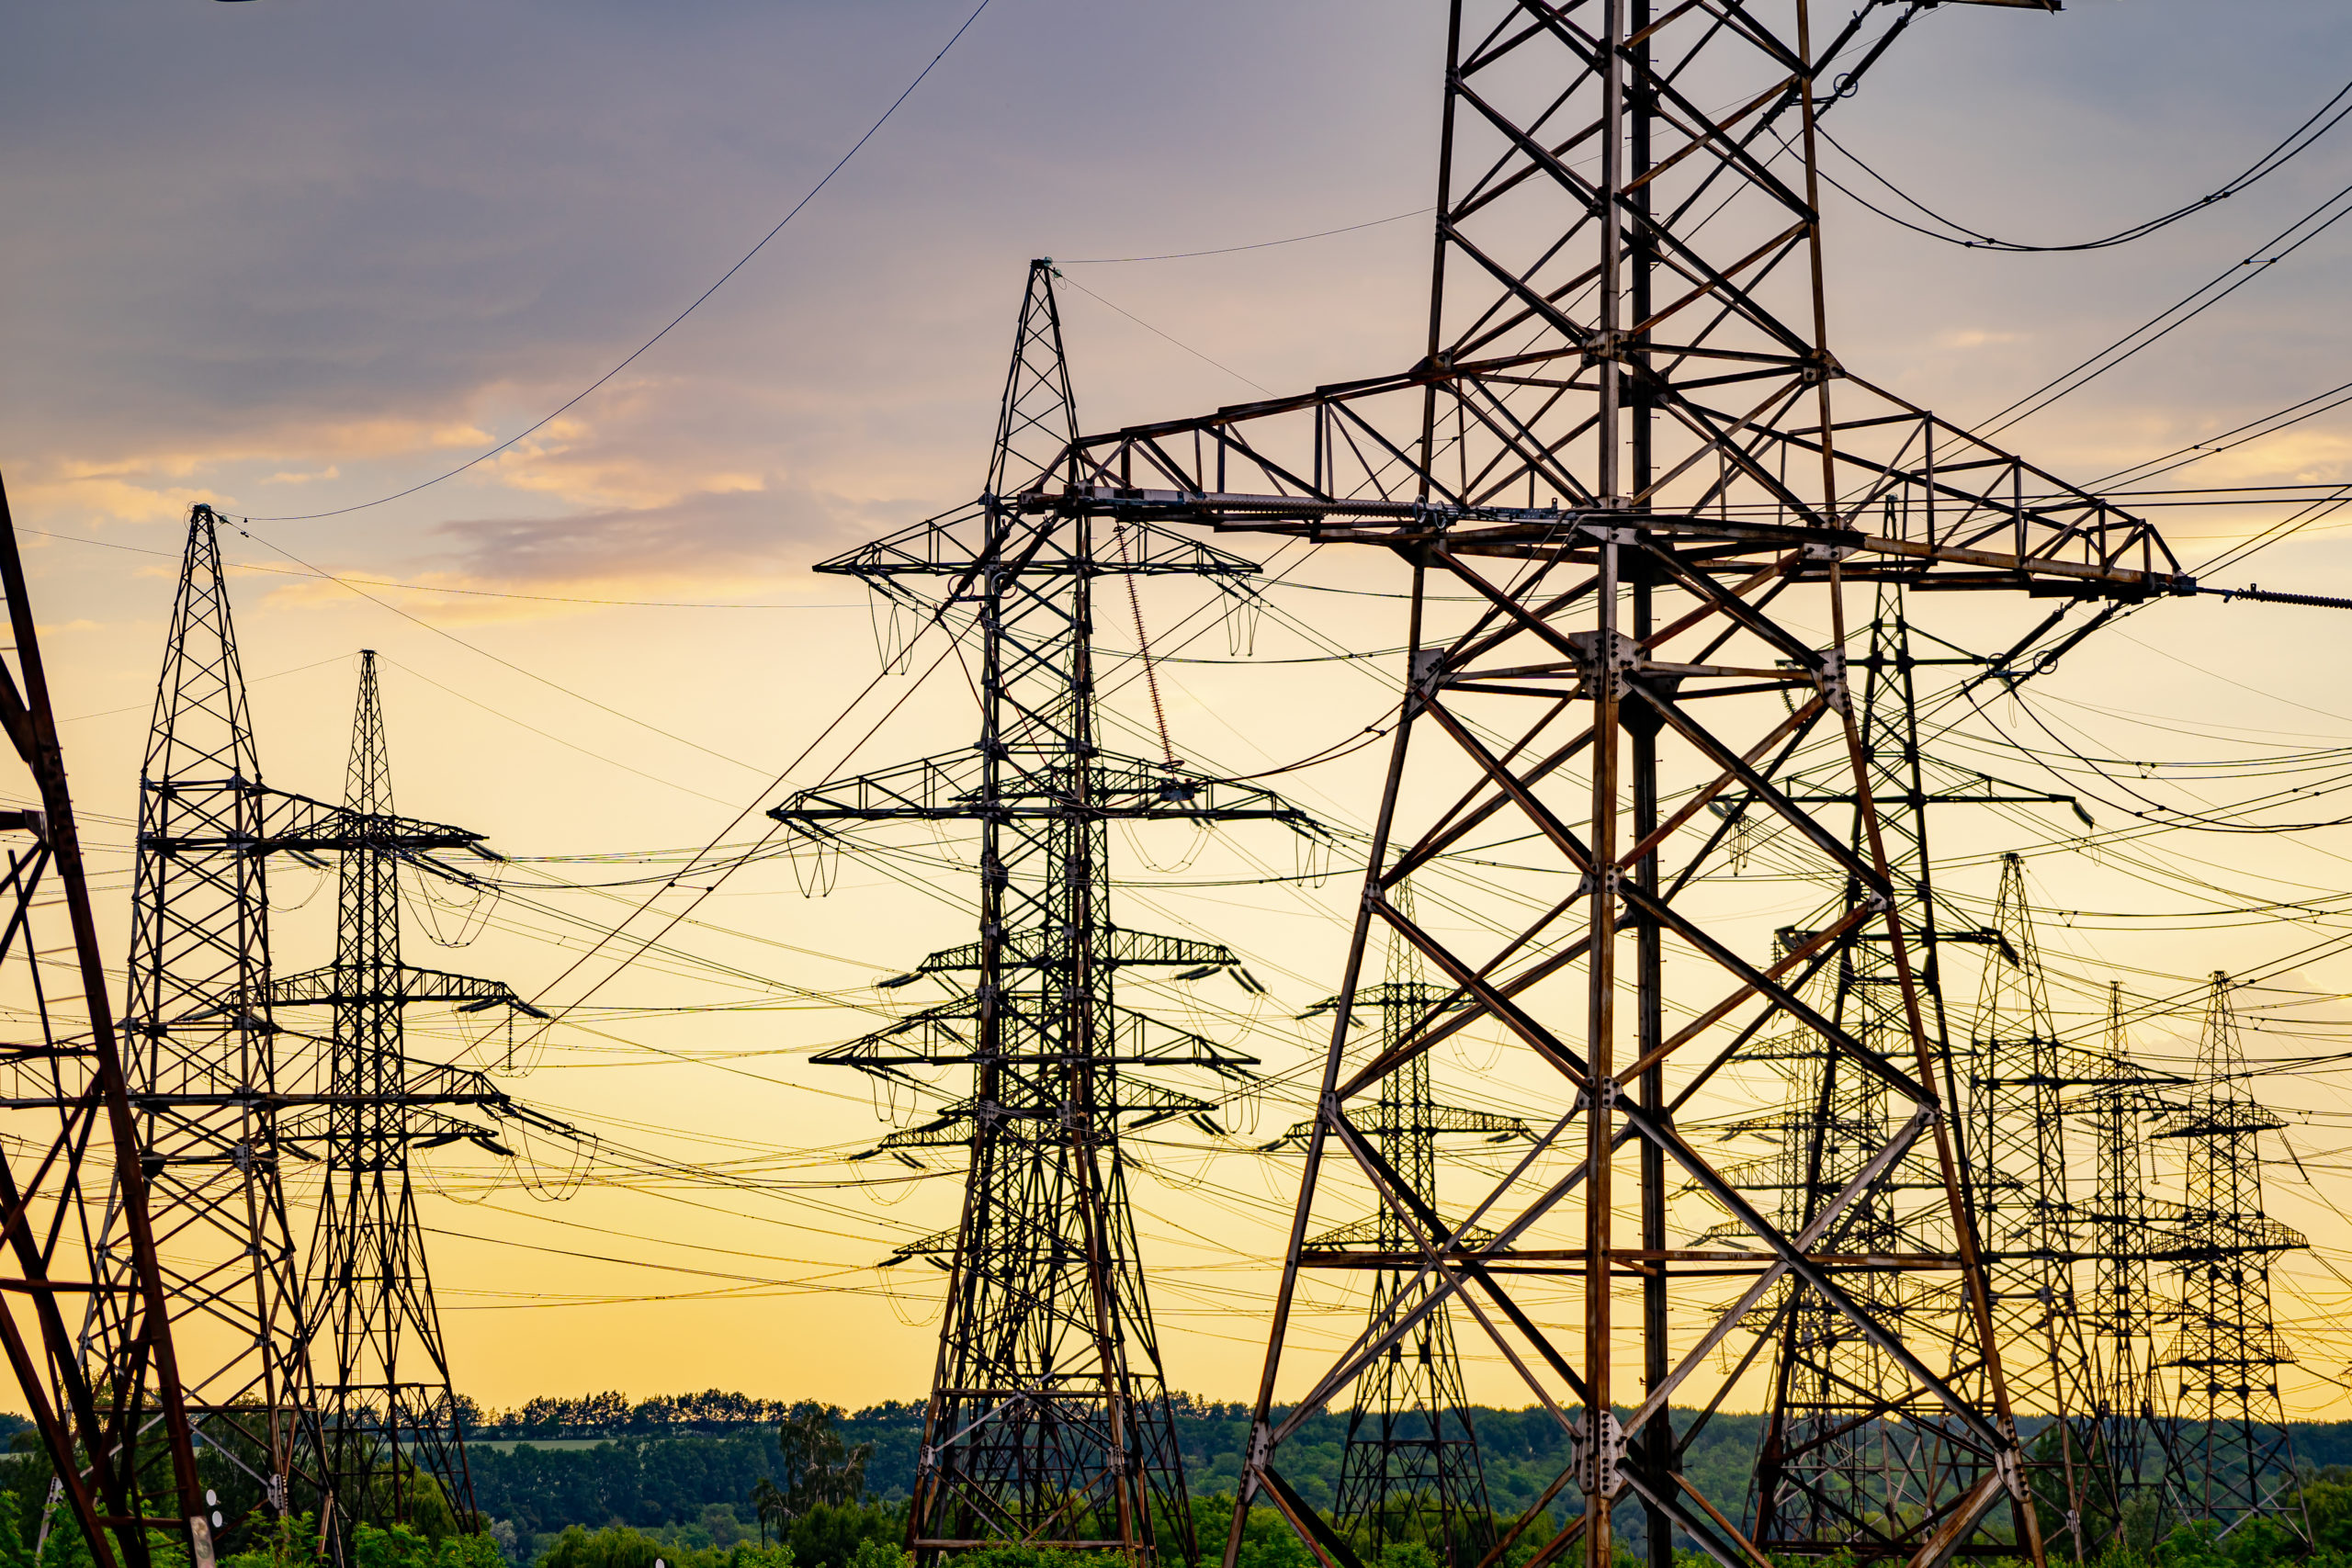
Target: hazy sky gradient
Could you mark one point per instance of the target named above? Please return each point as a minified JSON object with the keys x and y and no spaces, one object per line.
{"x":288,"y":257}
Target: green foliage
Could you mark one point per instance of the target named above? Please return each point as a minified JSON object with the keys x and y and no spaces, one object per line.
{"x":16,"y":1543}
{"x":831,"y":1535}
{"x":287,"y":1540}
{"x":411,"y":1499}
{"x":819,"y":1468}
{"x":1012,"y":1556}
{"x":618,"y":1546}
{"x":398,"y":1546}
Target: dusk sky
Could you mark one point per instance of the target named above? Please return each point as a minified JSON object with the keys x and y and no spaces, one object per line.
{"x":288,"y":257}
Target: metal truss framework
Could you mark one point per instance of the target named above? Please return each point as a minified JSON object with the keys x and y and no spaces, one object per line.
{"x":2022,"y":1078}
{"x":1048,"y":1421}
{"x":105,"y":1400}
{"x":2127,"y":1231}
{"x":1410,"y":1468}
{"x":1837,"y":1468}
{"x":2228,"y":1455}
{"x":387,"y":1403}
{"x":211,"y":1090}
{"x":1628,"y":439}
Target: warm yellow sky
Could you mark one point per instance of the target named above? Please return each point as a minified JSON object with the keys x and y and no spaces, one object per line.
{"x":365,"y":250}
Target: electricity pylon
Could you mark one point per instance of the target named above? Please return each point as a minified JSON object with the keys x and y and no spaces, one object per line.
{"x":1838,"y":1469}
{"x":106,"y":1401}
{"x":2020,"y":1084}
{"x":2128,"y":1230}
{"x":202,"y":1049}
{"x":1628,"y":442}
{"x":386,"y":1399}
{"x":1834,"y":1470}
{"x":1048,"y":1422}
{"x":1409,"y":1470}
{"x":2229,"y":1456}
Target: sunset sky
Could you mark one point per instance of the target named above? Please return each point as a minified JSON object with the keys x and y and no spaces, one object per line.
{"x":289,"y":258}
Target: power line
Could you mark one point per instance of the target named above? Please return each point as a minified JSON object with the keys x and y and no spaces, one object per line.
{"x":441,"y":588}
{"x":1260,"y":245}
{"x":2296,"y":141}
{"x":637,"y":352}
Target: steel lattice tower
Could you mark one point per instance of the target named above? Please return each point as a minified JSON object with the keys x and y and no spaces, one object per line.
{"x":2022,"y":1078}
{"x":217,"y":1104}
{"x":2127,"y":1229}
{"x":203,"y":1064}
{"x":1410,"y":1467}
{"x":385,"y":1396}
{"x":107,"y":1400}
{"x":1048,"y":1421}
{"x":1832,"y":1468}
{"x":1627,"y":437}
{"x":2229,"y":1455}
{"x":1837,"y":1468}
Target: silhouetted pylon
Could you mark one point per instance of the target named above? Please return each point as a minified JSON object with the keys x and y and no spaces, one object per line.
{"x":104,"y":1393}
{"x":1410,"y":1469}
{"x":379,"y":1360}
{"x":1049,"y":1423}
{"x":2229,"y":1455}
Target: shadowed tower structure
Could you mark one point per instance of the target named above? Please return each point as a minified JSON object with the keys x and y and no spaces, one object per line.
{"x":2229,"y":1456}
{"x":378,"y":1360}
{"x":222,"y":1105}
{"x":1048,"y":1420}
{"x":1410,"y":1469}
{"x":2023,"y":1078}
{"x":2127,"y":1229}
{"x":1634,"y":490}
{"x":203,"y":1051}
{"x":86,"y":1333}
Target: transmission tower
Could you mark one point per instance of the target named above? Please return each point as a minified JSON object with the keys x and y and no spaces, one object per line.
{"x":1048,"y":1421}
{"x":106,"y":1401}
{"x":2229,"y":1455}
{"x":386,"y":1399}
{"x":2129,"y":1230}
{"x":1627,"y":437}
{"x":2021,"y":1079}
{"x":203,"y":1061}
{"x":1410,"y":1467}
{"x":1834,"y":1470}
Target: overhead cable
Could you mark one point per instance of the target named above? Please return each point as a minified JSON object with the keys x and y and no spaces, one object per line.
{"x":637,"y":352}
{"x":2296,"y":141}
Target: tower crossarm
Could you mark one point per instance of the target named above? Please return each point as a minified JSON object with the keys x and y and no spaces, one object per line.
{"x":950,"y":787}
{"x":937,"y":1249}
{"x":2204,"y":1238}
{"x":423,"y":1126}
{"x":1127,"y":949}
{"x":947,"y":1036}
{"x":334,"y":984}
{"x":958,"y":545}
{"x":298,"y":824}
{"x":2075,"y":546}
{"x":1133,"y":1106}
{"x":1433,"y":1121}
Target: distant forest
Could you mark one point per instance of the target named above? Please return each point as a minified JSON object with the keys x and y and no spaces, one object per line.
{"x":683,"y":1467}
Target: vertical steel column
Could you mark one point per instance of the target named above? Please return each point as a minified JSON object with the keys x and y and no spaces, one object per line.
{"x":108,"y":1404}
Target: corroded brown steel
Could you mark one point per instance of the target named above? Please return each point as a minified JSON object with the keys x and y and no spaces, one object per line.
{"x":1628,"y":439}
{"x":1410,"y":1468}
{"x":90,"y":1345}
{"x":1050,"y":1421}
